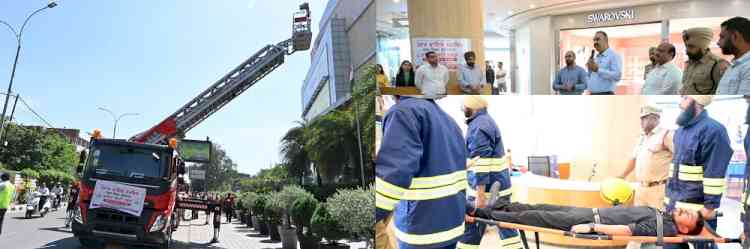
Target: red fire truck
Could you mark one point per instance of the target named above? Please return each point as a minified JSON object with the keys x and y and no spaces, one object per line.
{"x":128,"y":192}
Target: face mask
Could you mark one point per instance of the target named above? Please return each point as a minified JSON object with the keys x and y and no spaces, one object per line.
{"x":687,"y":115}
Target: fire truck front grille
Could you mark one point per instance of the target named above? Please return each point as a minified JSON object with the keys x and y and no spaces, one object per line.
{"x":112,"y":217}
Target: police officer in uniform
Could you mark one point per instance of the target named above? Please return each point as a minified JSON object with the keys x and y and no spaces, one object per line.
{"x":483,"y":140}
{"x":421,"y":175}
{"x":701,"y":154}
{"x":651,"y":159}
{"x":704,"y":69}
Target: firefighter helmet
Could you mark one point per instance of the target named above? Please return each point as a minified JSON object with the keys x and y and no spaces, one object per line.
{"x":616,"y":191}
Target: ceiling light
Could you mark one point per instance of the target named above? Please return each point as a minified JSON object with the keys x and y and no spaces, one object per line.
{"x":531,"y":6}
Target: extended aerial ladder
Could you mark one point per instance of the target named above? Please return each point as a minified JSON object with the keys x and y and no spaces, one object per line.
{"x":232,"y":84}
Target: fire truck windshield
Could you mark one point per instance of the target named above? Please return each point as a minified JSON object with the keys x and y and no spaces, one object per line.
{"x":128,"y":162}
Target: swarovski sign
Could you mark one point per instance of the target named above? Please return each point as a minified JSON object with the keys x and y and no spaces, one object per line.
{"x":609,"y":16}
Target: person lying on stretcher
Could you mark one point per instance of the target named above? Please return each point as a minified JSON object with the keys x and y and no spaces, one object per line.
{"x":625,"y":221}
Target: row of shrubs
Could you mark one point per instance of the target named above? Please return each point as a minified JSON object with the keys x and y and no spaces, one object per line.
{"x":347,"y":214}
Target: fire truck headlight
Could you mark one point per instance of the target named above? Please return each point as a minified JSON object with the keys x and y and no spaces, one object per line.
{"x":159,"y":223}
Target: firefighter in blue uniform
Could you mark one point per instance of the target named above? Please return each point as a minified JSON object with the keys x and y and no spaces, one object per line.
{"x":421,"y":175}
{"x":483,"y":140}
{"x":701,"y":154}
{"x":746,"y":191}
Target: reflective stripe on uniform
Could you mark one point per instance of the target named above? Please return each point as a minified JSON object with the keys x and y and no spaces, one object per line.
{"x":690,"y":173}
{"x":689,"y":206}
{"x":424,"y":188}
{"x":437,"y":181}
{"x":512,"y":243}
{"x":713,"y":186}
{"x":466,"y":246}
{"x":384,"y":202}
{"x":432,"y":238}
{"x":671,"y":169}
{"x":389,"y":190}
{"x":492,"y":164}
{"x":502,"y":193}
{"x":435,"y":193}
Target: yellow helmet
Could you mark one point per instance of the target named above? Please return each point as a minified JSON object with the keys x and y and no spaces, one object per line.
{"x":616,"y":191}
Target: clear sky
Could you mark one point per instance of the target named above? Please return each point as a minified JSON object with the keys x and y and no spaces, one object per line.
{"x":151,"y":57}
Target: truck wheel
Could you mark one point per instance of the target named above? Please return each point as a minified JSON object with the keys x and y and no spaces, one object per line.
{"x":88,"y":243}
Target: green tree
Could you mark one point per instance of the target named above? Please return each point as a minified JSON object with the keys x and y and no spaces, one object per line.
{"x":363,"y":96}
{"x":293,"y":152}
{"x":24,"y":149}
{"x":38,"y":149}
{"x":331,"y":144}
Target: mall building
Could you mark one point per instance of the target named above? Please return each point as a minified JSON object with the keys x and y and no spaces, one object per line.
{"x":345,"y":41}
{"x":531,"y":36}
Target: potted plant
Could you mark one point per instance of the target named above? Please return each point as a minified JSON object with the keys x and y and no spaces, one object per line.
{"x":286,"y":197}
{"x":273,"y":213}
{"x":353,"y":208}
{"x":302,"y":212}
{"x":323,"y":225}
{"x":259,"y":208}
{"x":248,"y":200}
{"x":241,"y":209}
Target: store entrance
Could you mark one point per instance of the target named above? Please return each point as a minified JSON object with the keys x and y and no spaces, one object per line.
{"x":631,"y":42}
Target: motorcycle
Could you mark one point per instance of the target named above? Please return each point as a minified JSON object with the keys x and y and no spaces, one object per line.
{"x":32,"y":205}
{"x":57,"y":201}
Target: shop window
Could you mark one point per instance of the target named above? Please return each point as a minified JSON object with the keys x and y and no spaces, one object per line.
{"x":631,"y":42}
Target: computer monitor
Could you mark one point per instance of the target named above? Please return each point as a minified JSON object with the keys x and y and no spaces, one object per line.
{"x":540,"y":165}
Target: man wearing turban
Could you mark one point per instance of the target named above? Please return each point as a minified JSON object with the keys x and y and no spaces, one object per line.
{"x":704,"y":70}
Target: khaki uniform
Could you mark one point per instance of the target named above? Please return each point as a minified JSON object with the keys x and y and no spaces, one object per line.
{"x":384,"y":237}
{"x":653,"y":155}
{"x":702,"y":77}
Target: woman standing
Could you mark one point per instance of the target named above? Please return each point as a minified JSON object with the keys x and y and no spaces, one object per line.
{"x":405,"y":76}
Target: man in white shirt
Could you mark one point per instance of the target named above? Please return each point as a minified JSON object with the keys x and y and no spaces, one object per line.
{"x":734,"y":39}
{"x":665,"y":78}
{"x":432,"y":78}
{"x":470,"y":76}
{"x":500,"y":76}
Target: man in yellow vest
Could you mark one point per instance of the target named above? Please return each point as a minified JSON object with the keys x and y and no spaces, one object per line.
{"x":6,"y":194}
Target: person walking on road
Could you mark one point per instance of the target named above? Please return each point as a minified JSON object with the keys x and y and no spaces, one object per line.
{"x":229,"y":207}
{"x":6,"y":195}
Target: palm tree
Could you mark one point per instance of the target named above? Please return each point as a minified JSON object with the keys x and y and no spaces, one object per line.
{"x":293,"y":151}
{"x":331,"y":143}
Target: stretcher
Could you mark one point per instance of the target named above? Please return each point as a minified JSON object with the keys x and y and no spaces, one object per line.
{"x":658,"y":240}
{"x":644,"y":239}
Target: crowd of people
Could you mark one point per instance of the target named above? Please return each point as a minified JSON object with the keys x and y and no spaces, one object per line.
{"x":431,"y":79}
{"x":425,"y":163}
{"x":705,"y":73}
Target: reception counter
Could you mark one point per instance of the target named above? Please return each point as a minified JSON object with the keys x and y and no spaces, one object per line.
{"x":534,"y":189}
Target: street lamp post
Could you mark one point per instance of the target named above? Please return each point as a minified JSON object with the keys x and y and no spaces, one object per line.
{"x":15,"y":61}
{"x":116,"y":119}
